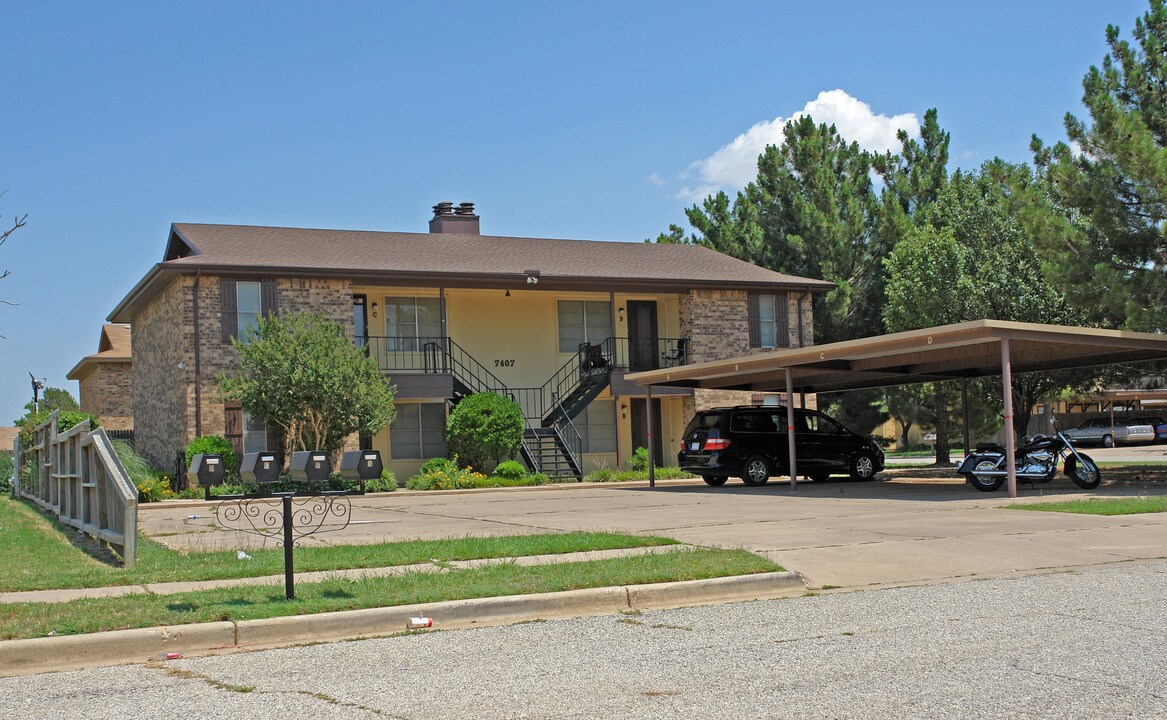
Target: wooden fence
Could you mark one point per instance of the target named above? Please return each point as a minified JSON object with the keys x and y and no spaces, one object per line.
{"x":77,"y":476}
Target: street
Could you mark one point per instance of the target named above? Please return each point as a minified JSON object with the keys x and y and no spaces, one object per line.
{"x":1085,"y":644}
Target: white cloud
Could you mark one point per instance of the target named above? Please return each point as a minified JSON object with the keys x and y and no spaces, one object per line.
{"x":655,"y":178}
{"x":736,"y":164}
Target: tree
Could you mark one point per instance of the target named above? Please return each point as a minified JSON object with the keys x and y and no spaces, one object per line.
{"x":301,"y":373}
{"x":484,"y":427}
{"x":54,"y":399}
{"x":1113,"y":176}
{"x":17,"y":223}
{"x":970,"y":258}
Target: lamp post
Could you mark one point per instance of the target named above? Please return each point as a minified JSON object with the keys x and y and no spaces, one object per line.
{"x":37,"y":386}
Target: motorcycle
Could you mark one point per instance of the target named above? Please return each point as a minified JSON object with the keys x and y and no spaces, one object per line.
{"x":1037,"y":461}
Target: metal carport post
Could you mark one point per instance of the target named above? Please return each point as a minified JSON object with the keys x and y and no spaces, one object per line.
{"x":1007,"y":390}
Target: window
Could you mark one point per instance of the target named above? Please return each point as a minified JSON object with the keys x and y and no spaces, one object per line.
{"x":768,"y":321}
{"x":409,"y":318}
{"x":254,"y":434}
{"x":248,"y":306}
{"x":759,"y":422}
{"x":242,"y":303}
{"x":583,"y":321}
{"x":419,"y":431}
{"x":597,"y":426}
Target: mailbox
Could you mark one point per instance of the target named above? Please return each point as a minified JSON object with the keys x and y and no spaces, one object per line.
{"x":260,"y":467}
{"x":206,"y":469}
{"x":310,"y":465}
{"x":361,"y":465}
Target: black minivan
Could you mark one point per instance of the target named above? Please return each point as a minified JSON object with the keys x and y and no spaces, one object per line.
{"x":750,"y":442}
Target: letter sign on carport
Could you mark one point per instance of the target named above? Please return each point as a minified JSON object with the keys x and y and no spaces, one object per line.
{"x":978,"y":348}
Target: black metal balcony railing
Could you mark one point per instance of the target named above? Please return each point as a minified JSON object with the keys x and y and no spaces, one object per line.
{"x":551,"y":405}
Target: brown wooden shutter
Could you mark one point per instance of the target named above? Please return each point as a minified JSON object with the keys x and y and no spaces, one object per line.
{"x":269,"y":300}
{"x":230,"y":309}
{"x":753,"y":320}
{"x":233,"y":426}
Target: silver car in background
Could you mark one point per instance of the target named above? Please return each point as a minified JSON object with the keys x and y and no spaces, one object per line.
{"x":1100,"y":431}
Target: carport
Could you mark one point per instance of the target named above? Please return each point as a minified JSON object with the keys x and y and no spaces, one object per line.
{"x":965,"y":350}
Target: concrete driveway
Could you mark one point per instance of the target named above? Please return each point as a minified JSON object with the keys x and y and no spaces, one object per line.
{"x":835,"y":534}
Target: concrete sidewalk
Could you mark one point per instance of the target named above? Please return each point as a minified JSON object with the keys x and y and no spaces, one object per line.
{"x":835,"y":534}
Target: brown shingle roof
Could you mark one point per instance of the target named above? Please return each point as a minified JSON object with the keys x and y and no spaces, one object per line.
{"x":358,"y":252}
{"x":114,"y":346}
{"x":448,"y":259}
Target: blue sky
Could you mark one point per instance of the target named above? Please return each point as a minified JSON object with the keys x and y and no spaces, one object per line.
{"x":591,"y":120}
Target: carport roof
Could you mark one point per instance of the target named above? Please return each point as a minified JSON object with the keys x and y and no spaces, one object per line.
{"x":947,"y":352}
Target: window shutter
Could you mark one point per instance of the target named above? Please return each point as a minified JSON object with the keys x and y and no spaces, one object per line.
{"x":233,"y":426}
{"x":230,"y":312}
{"x":753,"y":320}
{"x":268,"y":297}
{"x":782,"y":337}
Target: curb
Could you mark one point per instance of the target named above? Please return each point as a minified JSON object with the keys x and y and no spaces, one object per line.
{"x":121,"y":647}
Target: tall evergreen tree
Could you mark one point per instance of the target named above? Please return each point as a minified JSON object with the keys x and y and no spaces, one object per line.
{"x":1113,"y":174}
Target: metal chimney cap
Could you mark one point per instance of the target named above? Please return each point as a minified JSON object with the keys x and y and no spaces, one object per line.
{"x":466,"y":208}
{"x":445,"y":207}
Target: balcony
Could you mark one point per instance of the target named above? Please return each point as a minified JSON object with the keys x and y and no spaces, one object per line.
{"x":437,"y":354}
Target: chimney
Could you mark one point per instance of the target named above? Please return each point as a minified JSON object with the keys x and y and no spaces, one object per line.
{"x":450,"y":219}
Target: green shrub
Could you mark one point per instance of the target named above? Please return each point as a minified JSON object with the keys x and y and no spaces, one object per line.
{"x":484,"y":428}
{"x":214,"y":445}
{"x":600,"y":475}
{"x":7,"y":465}
{"x":154,"y":488}
{"x":153,"y":485}
{"x":511,"y":470}
{"x":386,"y":483}
{"x":639,"y":459}
{"x":466,"y":479}
{"x":606,"y":475}
{"x":437,"y":465}
{"x":65,"y":420}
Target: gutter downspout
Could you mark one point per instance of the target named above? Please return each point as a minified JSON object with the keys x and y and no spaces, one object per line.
{"x":198,"y":370}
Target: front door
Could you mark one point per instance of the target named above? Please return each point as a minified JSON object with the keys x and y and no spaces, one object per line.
{"x":642,"y":335}
{"x":640,"y":427}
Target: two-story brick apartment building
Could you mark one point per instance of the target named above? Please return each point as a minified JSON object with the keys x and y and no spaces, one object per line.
{"x":555,"y":324}
{"x":105,"y":379}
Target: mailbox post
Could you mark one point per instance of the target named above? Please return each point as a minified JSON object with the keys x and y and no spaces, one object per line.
{"x":206,"y":470}
{"x":361,"y":465}
{"x":300,"y":514}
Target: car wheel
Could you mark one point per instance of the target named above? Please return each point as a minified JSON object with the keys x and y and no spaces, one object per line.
{"x":714,"y":481}
{"x":820,"y":476}
{"x":863,"y":466}
{"x":1107,"y":441}
{"x":755,"y":471}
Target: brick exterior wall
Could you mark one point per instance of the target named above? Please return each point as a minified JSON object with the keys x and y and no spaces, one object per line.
{"x":162,"y":340}
{"x":717,"y":324}
{"x":107,"y":391}
{"x":164,"y":395}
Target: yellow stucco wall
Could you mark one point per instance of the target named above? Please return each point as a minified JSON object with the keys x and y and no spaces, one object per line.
{"x":517,"y":339}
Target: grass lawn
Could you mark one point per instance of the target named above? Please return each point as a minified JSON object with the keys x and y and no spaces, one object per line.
{"x":1102,"y":506}
{"x":36,"y":555}
{"x":26,"y":620}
